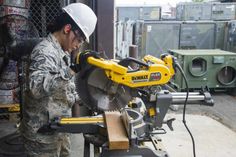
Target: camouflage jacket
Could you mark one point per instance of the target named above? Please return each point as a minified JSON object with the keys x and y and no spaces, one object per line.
{"x":51,"y":89}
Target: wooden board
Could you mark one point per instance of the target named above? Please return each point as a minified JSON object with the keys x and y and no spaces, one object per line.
{"x":7,"y":105}
{"x":117,"y":135}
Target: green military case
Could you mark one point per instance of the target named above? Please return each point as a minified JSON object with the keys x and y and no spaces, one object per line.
{"x":212,"y":68}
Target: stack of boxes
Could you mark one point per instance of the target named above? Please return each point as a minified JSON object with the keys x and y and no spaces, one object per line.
{"x":223,"y":15}
{"x":205,"y":11}
{"x":204,"y":26}
{"x":13,"y":13}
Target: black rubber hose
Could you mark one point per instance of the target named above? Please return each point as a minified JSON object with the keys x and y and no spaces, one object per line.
{"x":185,"y":104}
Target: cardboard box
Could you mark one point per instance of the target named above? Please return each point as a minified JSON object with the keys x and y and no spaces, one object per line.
{"x":6,"y":10}
{"x":16,"y":3}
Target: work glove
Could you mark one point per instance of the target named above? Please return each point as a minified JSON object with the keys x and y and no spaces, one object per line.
{"x":81,"y":64}
{"x":96,"y":139}
{"x":46,"y":129}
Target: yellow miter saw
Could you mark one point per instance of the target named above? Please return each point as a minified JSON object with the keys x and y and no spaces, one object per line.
{"x":111,"y":84}
{"x":129,"y":105}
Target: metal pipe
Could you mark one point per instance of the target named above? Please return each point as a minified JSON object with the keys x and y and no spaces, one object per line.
{"x":190,"y":97}
{"x":133,"y":51}
{"x":180,"y":98}
{"x":184,"y":93}
{"x":193,"y":98}
{"x":180,"y":102}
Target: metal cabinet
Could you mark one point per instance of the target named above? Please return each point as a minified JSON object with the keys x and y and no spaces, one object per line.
{"x":223,"y":11}
{"x":158,"y":37}
{"x":193,"y":11}
{"x":197,"y":35}
{"x":205,"y":11}
{"x":138,"y":13}
{"x":220,"y":36}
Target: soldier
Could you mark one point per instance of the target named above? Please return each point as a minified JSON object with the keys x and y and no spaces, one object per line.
{"x":51,"y":89}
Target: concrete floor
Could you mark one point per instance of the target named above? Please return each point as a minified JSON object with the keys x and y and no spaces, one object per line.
{"x":77,"y":141}
{"x":212,"y":139}
{"x":214,"y":129}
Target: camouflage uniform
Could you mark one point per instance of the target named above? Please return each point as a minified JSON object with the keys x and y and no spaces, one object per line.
{"x":50,"y":93}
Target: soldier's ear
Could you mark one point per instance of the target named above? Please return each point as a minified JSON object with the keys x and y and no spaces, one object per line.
{"x":67,"y":28}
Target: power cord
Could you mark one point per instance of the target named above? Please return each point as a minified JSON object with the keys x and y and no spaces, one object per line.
{"x":185,"y":103}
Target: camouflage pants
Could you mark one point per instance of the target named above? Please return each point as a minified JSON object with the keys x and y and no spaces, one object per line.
{"x":59,"y":148}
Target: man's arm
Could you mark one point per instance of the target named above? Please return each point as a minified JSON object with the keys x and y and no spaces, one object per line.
{"x":45,"y":76}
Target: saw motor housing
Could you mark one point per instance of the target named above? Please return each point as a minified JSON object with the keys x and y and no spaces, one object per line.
{"x":152,"y":71}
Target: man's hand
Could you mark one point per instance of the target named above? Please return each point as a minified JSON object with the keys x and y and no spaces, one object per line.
{"x":81,"y":64}
{"x":88,"y":53}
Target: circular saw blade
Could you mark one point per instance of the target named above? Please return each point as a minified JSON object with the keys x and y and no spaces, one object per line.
{"x":99,"y":93}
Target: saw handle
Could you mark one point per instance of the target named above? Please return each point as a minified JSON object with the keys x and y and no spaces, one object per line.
{"x":126,"y":62}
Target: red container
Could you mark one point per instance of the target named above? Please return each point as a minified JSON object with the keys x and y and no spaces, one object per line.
{"x":6,"y":10}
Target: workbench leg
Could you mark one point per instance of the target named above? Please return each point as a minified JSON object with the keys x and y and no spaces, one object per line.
{"x":96,"y":151}
{"x":86,"y":148}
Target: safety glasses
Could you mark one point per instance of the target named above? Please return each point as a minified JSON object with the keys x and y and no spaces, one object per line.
{"x":79,"y":37}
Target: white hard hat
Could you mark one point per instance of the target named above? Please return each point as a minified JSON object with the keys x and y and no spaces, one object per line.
{"x":83,"y":16}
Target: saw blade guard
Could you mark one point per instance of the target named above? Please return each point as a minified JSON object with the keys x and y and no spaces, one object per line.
{"x":99,"y":93}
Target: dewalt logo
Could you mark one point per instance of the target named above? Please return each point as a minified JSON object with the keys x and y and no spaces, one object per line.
{"x":142,"y":78}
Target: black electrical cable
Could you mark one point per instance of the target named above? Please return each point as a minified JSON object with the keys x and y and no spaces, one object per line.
{"x":184,"y":110}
